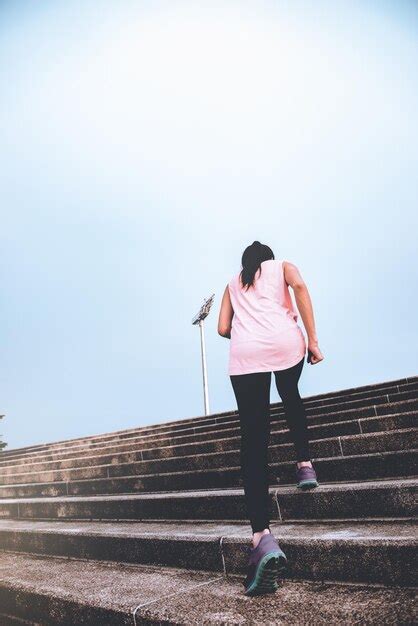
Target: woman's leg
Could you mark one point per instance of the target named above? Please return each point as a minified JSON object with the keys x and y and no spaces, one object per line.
{"x":252,"y":393}
{"x":295,"y":415}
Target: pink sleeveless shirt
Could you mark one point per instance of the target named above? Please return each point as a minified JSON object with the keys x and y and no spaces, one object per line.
{"x":265,"y":336}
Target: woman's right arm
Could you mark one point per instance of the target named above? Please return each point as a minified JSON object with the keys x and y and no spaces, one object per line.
{"x":304,"y":304}
{"x":226,"y":314}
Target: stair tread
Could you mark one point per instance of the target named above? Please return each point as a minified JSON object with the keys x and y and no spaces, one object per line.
{"x":351,"y":392}
{"x":275,"y":466}
{"x":408,"y":434}
{"x":345,"y":531}
{"x":282,"y":489}
{"x":101,"y":458}
{"x":191,"y":431}
{"x":81,"y":591}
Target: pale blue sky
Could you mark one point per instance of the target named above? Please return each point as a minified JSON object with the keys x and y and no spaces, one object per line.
{"x":144,"y":145}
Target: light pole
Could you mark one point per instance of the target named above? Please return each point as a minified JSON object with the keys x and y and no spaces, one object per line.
{"x":198,"y":319}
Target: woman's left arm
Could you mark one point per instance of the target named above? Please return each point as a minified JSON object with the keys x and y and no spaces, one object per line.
{"x":226,"y":314}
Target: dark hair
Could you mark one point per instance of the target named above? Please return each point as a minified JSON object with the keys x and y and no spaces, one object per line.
{"x":251,"y":261}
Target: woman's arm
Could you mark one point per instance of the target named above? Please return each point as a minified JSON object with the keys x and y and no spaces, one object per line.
{"x":304,"y":304}
{"x":226,"y":314}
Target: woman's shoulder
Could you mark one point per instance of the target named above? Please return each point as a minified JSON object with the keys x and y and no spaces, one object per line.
{"x":272,"y":263}
{"x":274,"y":269}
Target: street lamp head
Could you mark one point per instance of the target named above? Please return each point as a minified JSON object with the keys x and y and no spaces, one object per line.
{"x":204,"y":310}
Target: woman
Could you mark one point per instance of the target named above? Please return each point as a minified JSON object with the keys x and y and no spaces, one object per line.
{"x":258,"y":316}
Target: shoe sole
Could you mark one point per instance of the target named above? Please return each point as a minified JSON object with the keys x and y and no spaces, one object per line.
{"x":308,"y":484}
{"x":271,"y":566}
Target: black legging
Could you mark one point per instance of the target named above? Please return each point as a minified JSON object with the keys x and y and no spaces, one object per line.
{"x":252,"y":393}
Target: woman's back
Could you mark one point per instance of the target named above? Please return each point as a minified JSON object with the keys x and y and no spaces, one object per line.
{"x":265,"y":335}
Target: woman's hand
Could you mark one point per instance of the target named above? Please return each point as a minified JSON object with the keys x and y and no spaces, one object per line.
{"x":317,"y":356}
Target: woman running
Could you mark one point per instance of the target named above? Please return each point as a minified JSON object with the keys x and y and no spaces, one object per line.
{"x":258,"y":316}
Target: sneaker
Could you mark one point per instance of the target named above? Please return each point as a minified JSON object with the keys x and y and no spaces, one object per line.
{"x":267,"y":562}
{"x":306,"y":478}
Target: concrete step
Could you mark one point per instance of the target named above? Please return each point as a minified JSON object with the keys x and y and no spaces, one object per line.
{"x":373,"y":552}
{"x":364,"y":500}
{"x":211,"y":428}
{"x":192,"y":444}
{"x":63,"y":592}
{"x":219,"y":430}
{"x":336,"y":469}
{"x":408,"y":391}
{"x":151,"y":463}
{"x":351,"y":403}
{"x":363,"y":391}
{"x":212,"y":443}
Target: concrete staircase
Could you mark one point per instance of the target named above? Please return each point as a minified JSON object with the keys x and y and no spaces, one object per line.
{"x":148,"y":525}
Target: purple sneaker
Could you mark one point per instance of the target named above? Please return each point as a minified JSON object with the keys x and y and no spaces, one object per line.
{"x":267,"y":562}
{"x":306,"y":478}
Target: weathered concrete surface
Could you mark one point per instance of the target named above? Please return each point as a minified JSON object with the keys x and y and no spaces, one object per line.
{"x":360,"y":552}
{"x":323,"y":448}
{"x":218,"y":451}
{"x":360,"y":405}
{"x":61,"y":591}
{"x":379,"y":499}
{"x":293,"y":604}
{"x":192,"y":443}
{"x":335,"y":469}
{"x":363,"y":443}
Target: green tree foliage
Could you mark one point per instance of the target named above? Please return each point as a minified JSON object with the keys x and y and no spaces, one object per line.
{"x":2,"y":444}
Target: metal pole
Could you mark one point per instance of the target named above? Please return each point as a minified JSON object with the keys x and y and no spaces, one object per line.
{"x":198,"y":319}
{"x":204,"y":368}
